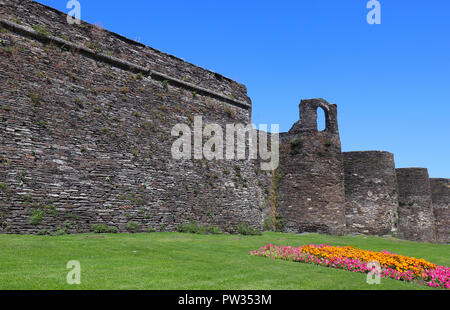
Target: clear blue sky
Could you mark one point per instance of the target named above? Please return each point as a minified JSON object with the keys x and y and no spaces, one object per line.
{"x":391,"y":82}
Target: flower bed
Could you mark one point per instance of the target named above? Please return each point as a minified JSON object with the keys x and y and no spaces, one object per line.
{"x":392,"y":265}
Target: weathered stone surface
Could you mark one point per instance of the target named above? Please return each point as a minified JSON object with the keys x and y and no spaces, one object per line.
{"x":47,"y":19}
{"x":86,"y":119}
{"x":310,"y":178}
{"x":440,"y":195}
{"x":85,"y":142}
{"x":371,"y":192}
{"x":416,"y":218}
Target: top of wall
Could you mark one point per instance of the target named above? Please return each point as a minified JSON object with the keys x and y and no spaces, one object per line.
{"x":413,"y":181}
{"x":52,"y":22}
{"x":440,"y":190}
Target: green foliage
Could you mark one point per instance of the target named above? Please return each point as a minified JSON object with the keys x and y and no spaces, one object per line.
{"x":43,"y":232}
{"x":41,"y":30}
{"x":35,"y":98}
{"x":267,"y":224}
{"x":151,"y":229}
{"x":103,"y":228}
{"x":229,"y":112}
{"x":79,"y":103}
{"x":50,"y":209}
{"x":246,"y":229}
{"x":137,"y":201}
{"x":36,"y":217}
{"x":40,"y":210}
{"x":93,"y":46}
{"x":296,"y":146}
{"x":215,"y":230}
{"x":280,"y":223}
{"x":42,"y":123}
{"x":237,"y":171}
{"x":60,"y":232}
{"x":133,"y":226}
{"x":27,"y":198}
{"x":194,"y":228}
{"x":64,"y":37}
{"x":274,"y":224}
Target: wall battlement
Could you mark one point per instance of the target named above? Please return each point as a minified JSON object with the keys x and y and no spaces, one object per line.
{"x":86,"y":119}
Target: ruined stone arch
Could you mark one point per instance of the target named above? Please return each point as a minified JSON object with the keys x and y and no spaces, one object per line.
{"x":322,"y":116}
{"x":308,"y":116}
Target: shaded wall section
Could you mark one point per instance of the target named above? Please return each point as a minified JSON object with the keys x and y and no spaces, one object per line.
{"x":416,"y":217}
{"x":371,"y":192}
{"x":440,"y":195}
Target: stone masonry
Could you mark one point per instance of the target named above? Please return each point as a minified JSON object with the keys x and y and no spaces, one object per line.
{"x":86,"y":136}
{"x":416,"y":216}
{"x":86,"y":132}
{"x":311,"y":193}
{"x":371,"y":192}
{"x":440,"y":196}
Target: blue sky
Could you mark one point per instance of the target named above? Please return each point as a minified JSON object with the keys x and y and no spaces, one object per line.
{"x":391,"y":81}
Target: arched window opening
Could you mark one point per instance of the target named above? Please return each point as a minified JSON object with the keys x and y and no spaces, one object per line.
{"x":321,"y":119}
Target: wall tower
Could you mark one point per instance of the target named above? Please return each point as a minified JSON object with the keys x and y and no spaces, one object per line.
{"x":310,"y":178}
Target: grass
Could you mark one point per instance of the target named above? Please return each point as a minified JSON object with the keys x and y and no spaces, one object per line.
{"x":188,"y":261}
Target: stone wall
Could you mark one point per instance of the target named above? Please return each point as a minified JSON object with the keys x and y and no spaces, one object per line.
{"x":309,"y":182}
{"x":86,"y":134}
{"x":370,"y":192}
{"x":416,"y":217}
{"x":47,"y":20}
{"x":86,"y":121}
{"x":440,"y":195}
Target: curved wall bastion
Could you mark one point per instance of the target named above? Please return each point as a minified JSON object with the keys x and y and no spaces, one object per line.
{"x":371,"y":192}
{"x":440,"y":196}
{"x":87,"y":119}
{"x":310,"y":180}
{"x":416,"y":215}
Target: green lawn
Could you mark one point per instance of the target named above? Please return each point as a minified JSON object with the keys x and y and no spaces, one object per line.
{"x":187,"y":261}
